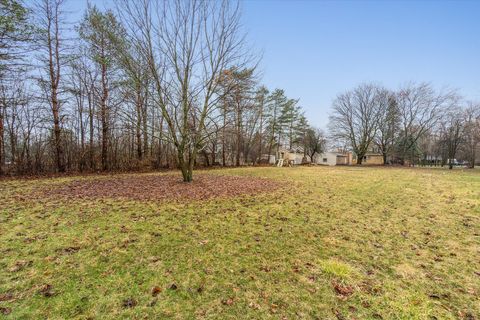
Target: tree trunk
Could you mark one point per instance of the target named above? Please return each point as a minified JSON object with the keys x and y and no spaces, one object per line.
{"x":239,"y":137}
{"x":270,"y":147}
{"x":223,"y":137}
{"x":186,"y":167}
{"x":145,"y":123}
{"x":260,"y":142}
{"x":54,"y":73}
{"x":82,"y":139}
{"x":472,"y":165}
{"x":29,"y":161}
{"x":57,"y":132}
{"x":2,"y":130}
{"x":207,"y":160}
{"x":160,"y":144}
{"x":91,"y":150}
{"x":104,"y":115}
{"x":360,"y":158}
{"x":138,"y":138}
{"x":186,"y":174}
{"x":278,"y":143}
{"x":138,"y":127}
{"x":13,"y":140}
{"x":214,"y":150}
{"x":237,"y":156}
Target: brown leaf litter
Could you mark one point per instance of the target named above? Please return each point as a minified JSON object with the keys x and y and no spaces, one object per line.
{"x":161,"y":187}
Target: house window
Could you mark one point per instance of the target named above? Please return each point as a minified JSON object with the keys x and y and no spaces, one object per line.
{"x":325,"y":160}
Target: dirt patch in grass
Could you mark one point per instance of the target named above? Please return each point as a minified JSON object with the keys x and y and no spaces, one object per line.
{"x":163,"y":187}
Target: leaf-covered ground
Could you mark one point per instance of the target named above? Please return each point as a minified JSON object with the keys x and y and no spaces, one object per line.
{"x":160,"y":187}
{"x":316,"y":243}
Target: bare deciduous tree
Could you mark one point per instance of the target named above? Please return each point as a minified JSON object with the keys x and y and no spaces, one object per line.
{"x":472,"y":132}
{"x":96,"y":29}
{"x":355,"y":118}
{"x":388,"y":124}
{"x":452,"y":131}
{"x":49,"y":13}
{"x":421,"y":108}
{"x":187,"y":45}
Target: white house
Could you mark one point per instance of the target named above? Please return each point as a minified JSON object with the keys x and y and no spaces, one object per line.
{"x":332,"y":158}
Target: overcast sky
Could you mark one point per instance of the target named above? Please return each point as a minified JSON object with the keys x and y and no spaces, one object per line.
{"x":317,"y":49}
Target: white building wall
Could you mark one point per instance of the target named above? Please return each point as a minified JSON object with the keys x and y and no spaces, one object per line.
{"x":326,"y":158}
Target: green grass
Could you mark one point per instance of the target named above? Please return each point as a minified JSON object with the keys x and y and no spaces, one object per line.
{"x":407,"y":241}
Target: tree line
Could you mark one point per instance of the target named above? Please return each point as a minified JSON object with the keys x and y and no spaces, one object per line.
{"x":159,"y":84}
{"x":174,"y":84}
{"x":416,"y":124}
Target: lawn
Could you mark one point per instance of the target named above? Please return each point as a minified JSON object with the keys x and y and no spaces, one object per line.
{"x":299,"y":243}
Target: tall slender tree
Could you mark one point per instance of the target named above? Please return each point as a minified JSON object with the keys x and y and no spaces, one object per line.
{"x":50,"y":22}
{"x":388,"y":125}
{"x":261,"y":101}
{"x":96,"y":30}
{"x":278,"y":100}
{"x":452,"y":134}
{"x":472,"y":132}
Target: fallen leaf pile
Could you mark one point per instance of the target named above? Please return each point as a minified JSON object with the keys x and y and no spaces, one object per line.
{"x":5,"y":311}
{"x":156,"y":290}
{"x":341,"y":289}
{"x":163,"y":187}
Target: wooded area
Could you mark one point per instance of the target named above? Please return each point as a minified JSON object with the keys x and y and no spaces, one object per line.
{"x":174,"y":84}
{"x":153,"y":84}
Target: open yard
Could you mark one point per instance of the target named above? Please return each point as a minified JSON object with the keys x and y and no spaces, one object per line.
{"x":247,"y":243}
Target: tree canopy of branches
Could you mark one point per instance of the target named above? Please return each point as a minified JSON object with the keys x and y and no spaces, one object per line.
{"x":413,"y":124}
{"x":356,"y":117}
{"x":452,"y":130}
{"x":15,"y":30}
{"x":100,"y":31}
{"x":472,"y":132}
{"x":187,"y":45}
{"x":420,"y":108}
{"x":388,"y":124}
{"x":315,"y":142}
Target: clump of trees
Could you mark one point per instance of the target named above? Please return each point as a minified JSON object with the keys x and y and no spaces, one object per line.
{"x":151,"y":84}
{"x":415,"y":124}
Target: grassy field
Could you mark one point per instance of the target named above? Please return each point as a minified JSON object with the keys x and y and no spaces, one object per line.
{"x":329,"y":243}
